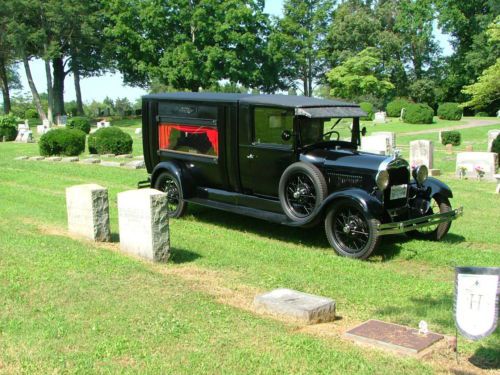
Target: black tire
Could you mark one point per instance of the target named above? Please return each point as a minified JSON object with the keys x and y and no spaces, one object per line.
{"x":350,"y":232}
{"x":302,"y":188}
{"x":169,"y":184}
{"x":435,"y":232}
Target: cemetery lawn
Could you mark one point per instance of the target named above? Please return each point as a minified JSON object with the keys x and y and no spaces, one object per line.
{"x":69,"y":305}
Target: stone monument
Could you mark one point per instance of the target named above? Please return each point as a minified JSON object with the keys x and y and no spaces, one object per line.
{"x":422,"y":153}
{"x":88,"y":211}
{"x":143,"y":223}
{"x":377,"y":144}
{"x":492,"y":135}
{"x":380,"y":118}
{"x":471,"y":164}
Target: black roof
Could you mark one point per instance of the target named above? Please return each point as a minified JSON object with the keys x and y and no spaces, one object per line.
{"x":290,"y":101}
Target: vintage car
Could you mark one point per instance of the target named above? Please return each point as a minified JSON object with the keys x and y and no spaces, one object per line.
{"x":290,"y":160}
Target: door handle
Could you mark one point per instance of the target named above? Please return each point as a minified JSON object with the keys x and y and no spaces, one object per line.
{"x":250,"y":156}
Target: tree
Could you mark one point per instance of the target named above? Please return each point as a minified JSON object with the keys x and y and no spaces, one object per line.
{"x":360,"y":75}
{"x":123,"y":106}
{"x":299,"y":41}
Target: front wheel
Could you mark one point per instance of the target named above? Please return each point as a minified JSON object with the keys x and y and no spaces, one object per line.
{"x":168,"y":183}
{"x":350,"y":231}
{"x":438,"y":204}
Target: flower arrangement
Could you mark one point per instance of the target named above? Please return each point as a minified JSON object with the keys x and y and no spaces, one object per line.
{"x":462,"y":171}
{"x":479,"y":172}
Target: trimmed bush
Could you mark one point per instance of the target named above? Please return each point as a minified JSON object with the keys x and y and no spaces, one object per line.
{"x":418,"y":114}
{"x":451,"y":137}
{"x":495,"y":146}
{"x":394,"y":107}
{"x":81,"y":123}
{"x":368,"y":108}
{"x":450,"y":111}
{"x":110,"y":141}
{"x":8,"y":128}
{"x":69,"y":142}
{"x":482,"y":114}
{"x":31,"y":113}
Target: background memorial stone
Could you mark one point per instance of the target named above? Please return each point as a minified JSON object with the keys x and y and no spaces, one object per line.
{"x":469,"y":148}
{"x":143,"y":223}
{"x":391,"y":136}
{"x":136,"y":164}
{"x":487,"y":161}
{"x":492,"y":134}
{"x":138,"y":131}
{"x":377,"y":144}
{"x":449,"y":148}
{"x":88,"y":211}
{"x":380,"y":118}
{"x":422,"y":153}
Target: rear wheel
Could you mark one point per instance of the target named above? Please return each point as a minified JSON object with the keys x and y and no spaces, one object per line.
{"x":350,"y":231}
{"x":168,"y":183}
{"x":302,"y":188}
{"x":438,"y":204}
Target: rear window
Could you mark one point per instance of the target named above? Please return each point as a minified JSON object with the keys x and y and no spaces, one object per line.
{"x":188,"y":138}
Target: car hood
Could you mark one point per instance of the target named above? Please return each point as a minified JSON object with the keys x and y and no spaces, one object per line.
{"x":347,"y":161}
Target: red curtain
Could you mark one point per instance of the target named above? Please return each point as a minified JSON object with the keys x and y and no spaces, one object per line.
{"x":165,"y":130}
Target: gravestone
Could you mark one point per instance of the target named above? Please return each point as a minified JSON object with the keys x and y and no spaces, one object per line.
{"x":25,"y":136}
{"x":471,"y":161}
{"x":143,"y":223}
{"x":103,"y":124}
{"x":377,"y":144}
{"x":42,"y":129}
{"x":421,"y":153}
{"x":135,"y":164}
{"x":61,"y":120}
{"x":395,"y":337}
{"x":469,"y":148}
{"x":138,"y":131}
{"x":53,"y":158}
{"x":306,"y":308}
{"x":91,"y":161}
{"x":391,"y":136}
{"x":36,"y":158}
{"x":24,"y":157}
{"x":124,"y":156}
{"x":380,"y":118}
{"x":88,"y":211}
{"x":449,"y":148}
{"x":46,"y":123}
{"x":111,"y":164}
{"x":22,"y":127}
{"x":497,"y":177}
{"x":492,"y":135}
{"x":70,"y":159}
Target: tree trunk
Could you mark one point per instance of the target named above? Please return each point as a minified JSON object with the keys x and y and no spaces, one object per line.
{"x":58,"y":85}
{"x":4,"y":82}
{"x":50,"y":93}
{"x":34,"y":92}
{"x":78,"y":91}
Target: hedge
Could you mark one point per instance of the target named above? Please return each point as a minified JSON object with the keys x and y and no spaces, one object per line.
{"x":82,"y":123}
{"x":418,"y":114}
{"x":31,"y":113}
{"x":110,"y":141}
{"x":69,"y":142}
{"x":8,"y":128}
{"x":482,"y":114}
{"x":368,"y":108}
{"x":451,"y":137}
{"x":394,"y":107}
{"x":450,"y":111}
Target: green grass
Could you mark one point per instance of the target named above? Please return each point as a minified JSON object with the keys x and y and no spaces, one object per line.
{"x":74,"y":306}
{"x":397,"y":126}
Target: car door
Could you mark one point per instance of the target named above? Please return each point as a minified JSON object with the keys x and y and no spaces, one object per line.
{"x":265,"y":153}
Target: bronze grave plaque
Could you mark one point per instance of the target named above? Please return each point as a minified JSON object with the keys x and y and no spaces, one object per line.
{"x":393,"y":336}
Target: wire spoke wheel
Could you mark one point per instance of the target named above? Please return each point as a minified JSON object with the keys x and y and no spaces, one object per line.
{"x":176,"y":206}
{"x":433,"y":209}
{"x":438,"y":204}
{"x":301,"y":195}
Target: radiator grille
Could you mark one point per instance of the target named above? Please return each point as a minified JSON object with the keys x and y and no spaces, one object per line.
{"x":340,"y":180}
{"x":397,"y":176}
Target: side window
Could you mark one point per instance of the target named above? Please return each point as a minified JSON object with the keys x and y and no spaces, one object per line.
{"x":269,"y":124}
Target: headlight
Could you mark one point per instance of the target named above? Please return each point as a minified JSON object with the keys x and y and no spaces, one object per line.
{"x":420,"y":174}
{"x":382,"y":179}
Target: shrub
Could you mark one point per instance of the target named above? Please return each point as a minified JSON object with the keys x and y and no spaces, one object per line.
{"x":450,"y":111}
{"x":69,"y":142}
{"x":482,"y":114}
{"x":8,"y":127}
{"x":81,"y":123}
{"x":495,"y":146}
{"x":368,"y":108}
{"x":451,"y":137}
{"x":418,"y":114}
{"x":110,"y":141}
{"x":31,"y":113}
{"x":394,"y":107}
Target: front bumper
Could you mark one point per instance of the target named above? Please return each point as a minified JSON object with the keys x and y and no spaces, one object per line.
{"x":424,"y":221}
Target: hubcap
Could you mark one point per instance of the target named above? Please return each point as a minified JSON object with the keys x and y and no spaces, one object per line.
{"x":350,"y":230}
{"x":300,"y":195}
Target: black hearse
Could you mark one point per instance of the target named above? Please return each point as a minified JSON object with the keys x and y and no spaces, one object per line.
{"x":292,"y":160}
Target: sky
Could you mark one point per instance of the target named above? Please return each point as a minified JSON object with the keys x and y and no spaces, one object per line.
{"x":111,"y":84}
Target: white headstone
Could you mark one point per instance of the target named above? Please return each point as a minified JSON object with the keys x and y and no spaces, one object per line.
{"x":143,"y":223}
{"x":25,"y":136}
{"x":474,"y":161}
{"x":422,"y":153}
{"x":492,"y":135}
{"x":22,"y":127}
{"x":377,"y":144}
{"x":46,"y":123}
{"x":390,"y":135}
{"x":138,"y":131}
{"x":42,"y":129}
{"x":103,"y":124}
{"x":498,"y":113}
{"x":88,"y":211}
{"x":62,"y":120}
{"x":380,"y":118}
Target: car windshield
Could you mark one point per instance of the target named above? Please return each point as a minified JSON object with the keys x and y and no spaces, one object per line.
{"x":316,"y":130}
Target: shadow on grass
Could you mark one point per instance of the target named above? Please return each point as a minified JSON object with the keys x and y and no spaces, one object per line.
{"x":180,"y":256}
{"x":486,"y":358}
{"x":452,"y":238}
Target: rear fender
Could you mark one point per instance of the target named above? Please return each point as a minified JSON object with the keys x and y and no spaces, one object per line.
{"x":183,"y":176}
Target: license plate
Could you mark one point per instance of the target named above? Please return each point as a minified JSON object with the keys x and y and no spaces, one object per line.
{"x":398,"y":192}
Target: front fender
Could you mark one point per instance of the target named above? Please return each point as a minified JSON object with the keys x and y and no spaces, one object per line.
{"x":437,"y":187}
{"x":183,"y":176}
{"x":373,"y":207}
